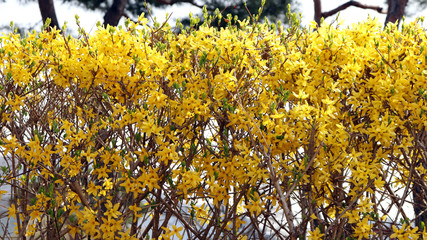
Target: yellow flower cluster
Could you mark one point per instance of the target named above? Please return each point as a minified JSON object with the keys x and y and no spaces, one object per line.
{"x":136,"y":132}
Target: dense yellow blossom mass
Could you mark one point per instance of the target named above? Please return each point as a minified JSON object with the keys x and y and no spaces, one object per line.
{"x":235,"y":133}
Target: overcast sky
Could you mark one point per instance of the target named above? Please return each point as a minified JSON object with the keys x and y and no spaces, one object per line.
{"x":28,"y":14}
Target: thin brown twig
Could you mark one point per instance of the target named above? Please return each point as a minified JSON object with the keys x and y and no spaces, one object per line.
{"x":385,"y":59}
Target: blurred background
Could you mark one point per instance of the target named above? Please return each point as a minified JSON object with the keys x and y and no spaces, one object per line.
{"x":28,"y":14}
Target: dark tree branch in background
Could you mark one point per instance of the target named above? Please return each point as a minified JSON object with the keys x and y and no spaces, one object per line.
{"x":318,"y":9}
{"x":114,"y":13}
{"x":171,"y":2}
{"x":396,"y":10}
{"x":355,"y":4}
{"x":47,"y":10}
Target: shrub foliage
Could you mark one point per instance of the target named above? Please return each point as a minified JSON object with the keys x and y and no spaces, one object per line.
{"x":250,"y":131}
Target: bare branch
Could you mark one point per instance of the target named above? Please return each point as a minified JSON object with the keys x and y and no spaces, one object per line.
{"x":355,"y":4}
{"x":172,"y":2}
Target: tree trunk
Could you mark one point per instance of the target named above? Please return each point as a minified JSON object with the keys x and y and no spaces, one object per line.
{"x":317,"y":11}
{"x":396,"y":9}
{"x":47,"y":10}
{"x":114,"y":13}
{"x":419,"y":204}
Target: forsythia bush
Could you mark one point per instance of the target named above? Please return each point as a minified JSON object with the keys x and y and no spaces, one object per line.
{"x":247,"y":132}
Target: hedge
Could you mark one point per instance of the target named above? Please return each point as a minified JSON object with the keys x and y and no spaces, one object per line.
{"x":245,"y":132}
